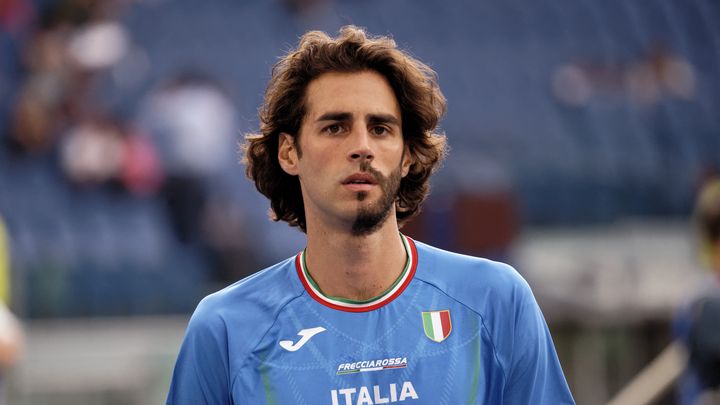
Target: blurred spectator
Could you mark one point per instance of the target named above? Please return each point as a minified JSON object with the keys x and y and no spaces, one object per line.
{"x":141,"y":173}
{"x":74,"y":41}
{"x":10,"y":332}
{"x":697,"y":325}
{"x":10,"y":345}
{"x":16,"y":18}
{"x":92,"y":152}
{"x":660,"y":75}
{"x":192,"y":122}
{"x":99,"y":45}
{"x":45,"y":98}
{"x":31,"y":126}
{"x":101,"y":151}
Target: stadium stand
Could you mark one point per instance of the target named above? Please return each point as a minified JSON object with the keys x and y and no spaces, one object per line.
{"x":610,"y":151}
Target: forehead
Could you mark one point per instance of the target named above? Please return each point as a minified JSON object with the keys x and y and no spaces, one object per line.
{"x":358,"y":93}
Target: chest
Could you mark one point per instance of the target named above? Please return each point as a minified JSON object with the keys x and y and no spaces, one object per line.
{"x":418,"y":351}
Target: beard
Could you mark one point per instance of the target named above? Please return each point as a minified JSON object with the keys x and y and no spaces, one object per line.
{"x":370,"y":217}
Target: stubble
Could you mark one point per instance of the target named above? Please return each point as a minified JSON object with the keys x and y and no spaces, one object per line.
{"x":370,"y":217}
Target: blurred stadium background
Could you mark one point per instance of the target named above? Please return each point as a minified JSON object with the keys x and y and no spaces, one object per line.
{"x":580,"y":130}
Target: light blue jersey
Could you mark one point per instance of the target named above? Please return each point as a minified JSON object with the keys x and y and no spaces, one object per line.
{"x":452,"y":330}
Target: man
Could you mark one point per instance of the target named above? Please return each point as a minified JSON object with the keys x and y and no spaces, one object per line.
{"x":364,"y":315}
{"x":697,"y":322}
{"x":11,"y":335}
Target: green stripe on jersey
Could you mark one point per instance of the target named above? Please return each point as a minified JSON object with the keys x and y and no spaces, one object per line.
{"x":427,"y":324}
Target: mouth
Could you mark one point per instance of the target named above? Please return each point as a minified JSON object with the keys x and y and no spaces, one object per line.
{"x":360,"y":182}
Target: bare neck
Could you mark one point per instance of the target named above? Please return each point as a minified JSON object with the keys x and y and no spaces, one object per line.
{"x":355,"y":267}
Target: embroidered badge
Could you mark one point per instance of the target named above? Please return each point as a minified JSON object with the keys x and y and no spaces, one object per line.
{"x":437,"y":325}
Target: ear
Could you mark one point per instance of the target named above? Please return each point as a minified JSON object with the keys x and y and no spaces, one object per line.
{"x":287,"y":154}
{"x":407,"y":161}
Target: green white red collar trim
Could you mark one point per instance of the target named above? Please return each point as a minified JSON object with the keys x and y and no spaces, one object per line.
{"x":343,"y":304}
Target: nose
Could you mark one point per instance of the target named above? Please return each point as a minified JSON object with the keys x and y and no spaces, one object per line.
{"x":361,"y":150}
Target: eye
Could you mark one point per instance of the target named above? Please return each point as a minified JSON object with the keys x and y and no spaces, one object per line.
{"x":379,"y":130}
{"x":333,"y":129}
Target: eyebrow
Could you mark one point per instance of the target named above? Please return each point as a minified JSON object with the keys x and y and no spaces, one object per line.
{"x":383,"y":119}
{"x":372,"y":118}
{"x":335,"y":116}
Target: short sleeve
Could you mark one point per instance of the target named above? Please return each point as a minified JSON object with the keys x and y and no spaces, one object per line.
{"x":201,"y":374}
{"x":533,"y":372}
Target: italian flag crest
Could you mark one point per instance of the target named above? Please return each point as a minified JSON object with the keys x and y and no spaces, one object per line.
{"x":437,"y":325}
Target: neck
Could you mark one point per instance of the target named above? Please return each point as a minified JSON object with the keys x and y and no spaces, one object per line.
{"x":355,"y":267}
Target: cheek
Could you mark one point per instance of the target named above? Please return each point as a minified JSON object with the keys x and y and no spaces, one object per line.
{"x":318,"y":167}
{"x":390,"y":148}
{"x":400,"y":158}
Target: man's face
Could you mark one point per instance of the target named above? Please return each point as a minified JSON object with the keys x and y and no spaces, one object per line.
{"x":352,"y":152}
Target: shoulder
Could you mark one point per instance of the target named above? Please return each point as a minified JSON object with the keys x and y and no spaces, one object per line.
{"x":470,"y":280}
{"x":255,"y":300}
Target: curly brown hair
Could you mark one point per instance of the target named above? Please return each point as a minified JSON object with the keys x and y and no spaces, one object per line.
{"x":415,"y":87}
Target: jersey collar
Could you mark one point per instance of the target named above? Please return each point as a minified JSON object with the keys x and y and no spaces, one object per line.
{"x":343,"y":304}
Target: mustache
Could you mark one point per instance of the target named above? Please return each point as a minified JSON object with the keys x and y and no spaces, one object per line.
{"x":365,"y":167}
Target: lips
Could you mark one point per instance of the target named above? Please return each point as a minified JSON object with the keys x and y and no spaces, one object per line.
{"x":360,"y":182}
{"x":360,"y":178}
